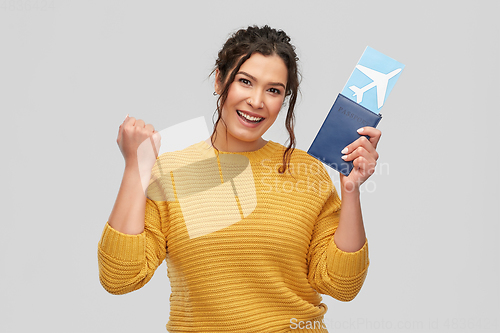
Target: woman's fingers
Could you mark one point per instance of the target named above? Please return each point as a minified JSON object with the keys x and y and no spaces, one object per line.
{"x":129,"y":121}
{"x":120,"y":130}
{"x":134,"y":138}
{"x":139,"y":123}
{"x":372,"y":132}
{"x":361,"y":151}
{"x":364,"y":165}
{"x":360,"y":143}
{"x":363,"y":154}
{"x":363,"y":161}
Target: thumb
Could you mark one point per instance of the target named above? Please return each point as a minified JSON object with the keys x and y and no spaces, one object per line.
{"x":156,"y":137}
{"x":155,"y":142}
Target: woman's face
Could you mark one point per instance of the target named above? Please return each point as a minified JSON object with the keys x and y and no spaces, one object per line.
{"x":253,"y":102}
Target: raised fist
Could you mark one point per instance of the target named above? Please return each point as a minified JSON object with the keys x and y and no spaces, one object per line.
{"x":139,"y":143}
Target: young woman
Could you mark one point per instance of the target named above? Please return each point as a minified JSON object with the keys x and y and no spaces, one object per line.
{"x":252,"y":231}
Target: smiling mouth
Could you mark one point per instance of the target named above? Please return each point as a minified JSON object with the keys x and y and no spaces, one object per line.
{"x":249,"y":118}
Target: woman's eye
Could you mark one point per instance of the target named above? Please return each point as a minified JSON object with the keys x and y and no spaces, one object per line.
{"x":275,"y":91}
{"x":244,"y":81}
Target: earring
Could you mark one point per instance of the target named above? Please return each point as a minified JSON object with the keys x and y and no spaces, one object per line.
{"x":215,"y":93}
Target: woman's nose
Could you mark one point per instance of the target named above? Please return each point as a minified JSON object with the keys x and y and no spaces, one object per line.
{"x":256,"y":101}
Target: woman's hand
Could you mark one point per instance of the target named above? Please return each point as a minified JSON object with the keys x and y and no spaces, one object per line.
{"x":363,"y":155}
{"x":139,"y":143}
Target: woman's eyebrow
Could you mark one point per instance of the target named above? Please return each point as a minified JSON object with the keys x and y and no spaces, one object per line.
{"x":253,"y":78}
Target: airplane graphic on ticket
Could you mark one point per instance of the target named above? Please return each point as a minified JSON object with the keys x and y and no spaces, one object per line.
{"x":374,"y":70}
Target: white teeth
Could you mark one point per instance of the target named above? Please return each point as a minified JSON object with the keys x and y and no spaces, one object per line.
{"x":251,"y":118}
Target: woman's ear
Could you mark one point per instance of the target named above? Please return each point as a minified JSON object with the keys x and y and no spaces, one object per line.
{"x":217,"y":84}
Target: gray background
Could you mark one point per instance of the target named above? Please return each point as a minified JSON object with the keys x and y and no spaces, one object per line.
{"x":70,"y":72}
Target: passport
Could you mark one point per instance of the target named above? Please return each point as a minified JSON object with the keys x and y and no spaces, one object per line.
{"x":357,"y":106}
{"x":339,"y":130}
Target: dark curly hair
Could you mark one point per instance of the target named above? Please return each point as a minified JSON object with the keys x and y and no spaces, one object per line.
{"x":266,"y":41}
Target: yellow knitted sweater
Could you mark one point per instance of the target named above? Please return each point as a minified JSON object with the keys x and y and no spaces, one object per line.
{"x":247,"y":249}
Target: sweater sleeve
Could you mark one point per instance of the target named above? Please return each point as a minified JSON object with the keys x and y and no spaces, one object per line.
{"x":128,"y":262}
{"x":332,"y":271}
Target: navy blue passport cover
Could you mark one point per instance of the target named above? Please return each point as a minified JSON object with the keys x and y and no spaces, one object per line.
{"x":339,"y":130}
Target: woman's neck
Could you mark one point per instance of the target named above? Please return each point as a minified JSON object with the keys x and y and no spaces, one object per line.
{"x":228,"y":143}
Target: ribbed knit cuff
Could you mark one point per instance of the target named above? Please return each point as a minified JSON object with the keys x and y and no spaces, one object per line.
{"x":347,"y":264}
{"x":122,"y":246}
